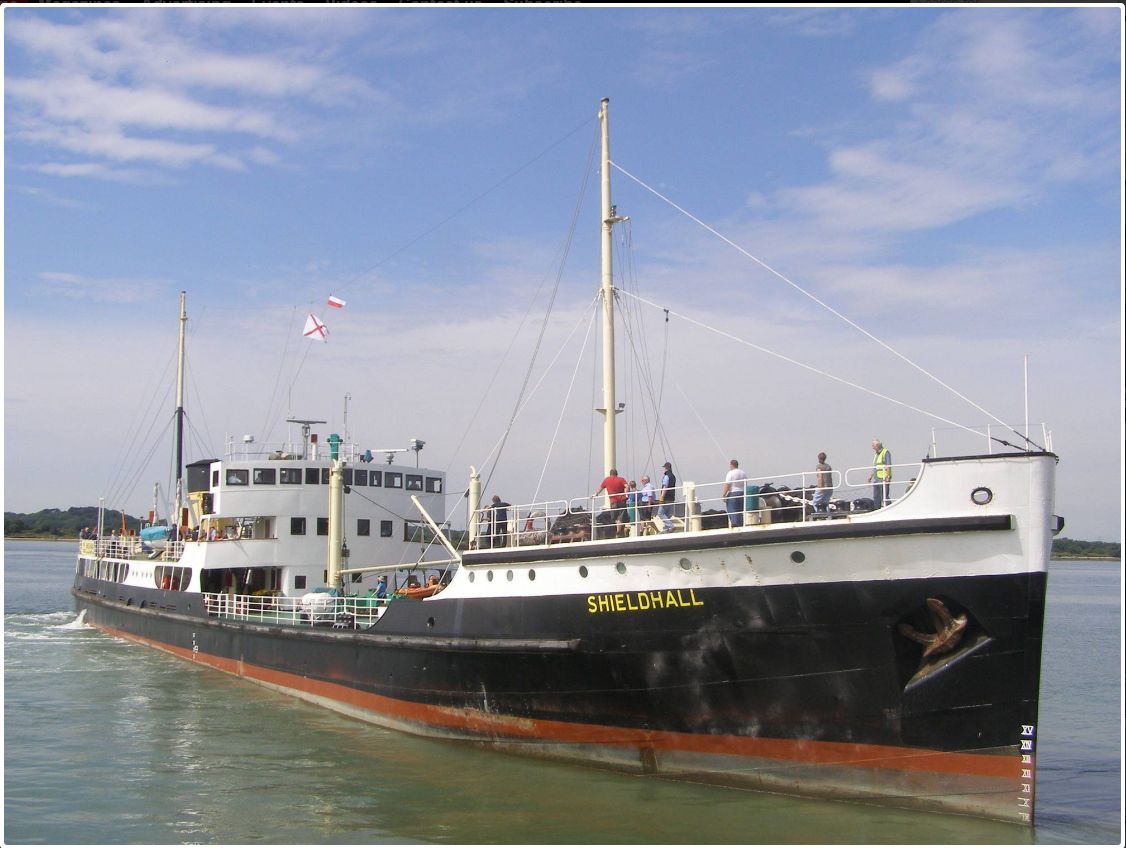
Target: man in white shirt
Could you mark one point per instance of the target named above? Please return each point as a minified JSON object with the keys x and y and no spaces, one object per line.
{"x":734,"y":488}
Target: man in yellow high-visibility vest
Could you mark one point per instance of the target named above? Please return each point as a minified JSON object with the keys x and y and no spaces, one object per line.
{"x":881,"y":474}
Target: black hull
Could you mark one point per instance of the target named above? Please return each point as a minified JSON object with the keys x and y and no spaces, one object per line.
{"x":811,"y":689}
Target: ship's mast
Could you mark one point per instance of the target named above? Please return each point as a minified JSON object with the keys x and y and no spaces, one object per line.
{"x":609,"y":217}
{"x":176,"y":517}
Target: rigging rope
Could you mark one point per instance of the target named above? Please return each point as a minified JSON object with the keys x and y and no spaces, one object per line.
{"x":270,"y":418}
{"x":566,"y":399}
{"x":468,"y":204}
{"x":700,"y":418}
{"x":826,"y":306}
{"x":645,"y":378}
{"x":793,"y":361}
{"x":565,"y":251}
{"x":539,"y":382}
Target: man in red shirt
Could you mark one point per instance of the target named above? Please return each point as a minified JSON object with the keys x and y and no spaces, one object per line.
{"x":615,"y":487}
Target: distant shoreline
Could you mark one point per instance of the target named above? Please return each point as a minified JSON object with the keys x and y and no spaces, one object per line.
{"x":1069,"y":558}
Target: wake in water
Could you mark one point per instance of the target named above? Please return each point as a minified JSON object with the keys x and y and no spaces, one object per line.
{"x":39,"y":625}
{"x":78,"y":624}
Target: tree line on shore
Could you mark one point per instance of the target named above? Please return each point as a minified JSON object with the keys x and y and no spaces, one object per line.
{"x":63,"y":523}
{"x":66,"y":524}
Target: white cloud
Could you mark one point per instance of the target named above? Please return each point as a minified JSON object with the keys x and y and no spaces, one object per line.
{"x":80,"y":100}
{"x":880,"y":190}
{"x":816,"y":23}
{"x":101,"y":171}
{"x":134,"y":87}
{"x":104,"y":290}
{"x":50,"y":198}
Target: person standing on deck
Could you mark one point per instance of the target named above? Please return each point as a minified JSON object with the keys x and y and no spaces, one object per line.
{"x":668,"y":496}
{"x":881,"y":474}
{"x":824,"y":484}
{"x":646,"y":497}
{"x":734,"y":488}
{"x":499,"y":523}
{"x":615,"y":487}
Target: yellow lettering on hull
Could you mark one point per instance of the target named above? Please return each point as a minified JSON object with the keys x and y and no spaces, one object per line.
{"x":642,"y":601}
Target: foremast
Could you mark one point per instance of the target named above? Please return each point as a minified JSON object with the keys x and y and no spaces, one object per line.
{"x":609,"y":217}
{"x":177,"y":518}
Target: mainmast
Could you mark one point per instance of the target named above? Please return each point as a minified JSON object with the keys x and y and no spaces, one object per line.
{"x":176,"y":517}
{"x":609,"y":217}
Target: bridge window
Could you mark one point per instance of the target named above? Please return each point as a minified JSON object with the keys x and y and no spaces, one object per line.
{"x":265,"y":476}
{"x":297,"y":526}
{"x":393,"y":480}
{"x":363,"y":526}
{"x":238,"y":477}
{"x":312,"y":476}
{"x":322,"y":526}
{"x":291,"y":476}
{"x":361,"y":476}
{"x":376,"y":478}
{"x":434,"y":485}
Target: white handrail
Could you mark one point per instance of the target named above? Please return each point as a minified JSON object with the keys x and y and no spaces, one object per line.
{"x":349,"y":611}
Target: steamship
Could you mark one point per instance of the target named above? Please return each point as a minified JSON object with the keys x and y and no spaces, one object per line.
{"x":884,"y":654}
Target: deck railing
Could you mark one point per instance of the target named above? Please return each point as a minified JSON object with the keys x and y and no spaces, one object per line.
{"x":779,"y":498}
{"x":130,"y":547}
{"x":347,"y":612}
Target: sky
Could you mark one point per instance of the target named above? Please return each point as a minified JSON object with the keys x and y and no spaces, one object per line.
{"x":947,"y":178}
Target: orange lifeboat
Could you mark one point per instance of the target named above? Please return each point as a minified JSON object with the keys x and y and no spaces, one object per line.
{"x":432,"y":587}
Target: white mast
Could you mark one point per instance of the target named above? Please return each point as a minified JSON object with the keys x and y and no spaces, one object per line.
{"x":179,"y":500}
{"x":609,"y":218}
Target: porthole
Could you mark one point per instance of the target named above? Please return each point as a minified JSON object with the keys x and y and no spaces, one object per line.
{"x":531,"y":574}
{"x":797,"y":556}
{"x":472,"y":577}
{"x":621,"y":568}
{"x":430,"y":622}
{"x":686,"y":563}
{"x":490,"y":576}
{"x":981,"y":495}
{"x":509,"y":575}
{"x":582,"y":571}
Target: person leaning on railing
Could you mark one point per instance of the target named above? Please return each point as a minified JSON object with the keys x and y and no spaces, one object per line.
{"x":498,"y":526}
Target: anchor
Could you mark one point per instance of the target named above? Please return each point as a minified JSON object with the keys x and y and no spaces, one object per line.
{"x":948,"y":629}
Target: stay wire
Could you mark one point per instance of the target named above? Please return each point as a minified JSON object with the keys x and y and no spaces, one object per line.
{"x":826,"y":306}
{"x":566,"y":400}
{"x":562,"y":347}
{"x":810,"y":368}
{"x":645,"y":379}
{"x":565,"y":252}
{"x":269,"y":419}
{"x":634,"y":326}
{"x":473,"y":201}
